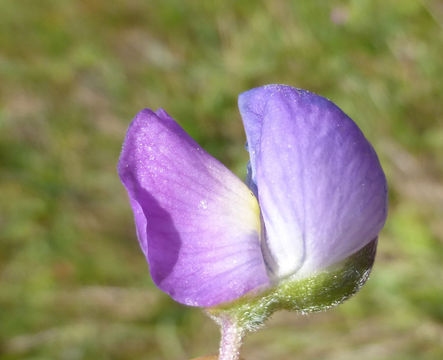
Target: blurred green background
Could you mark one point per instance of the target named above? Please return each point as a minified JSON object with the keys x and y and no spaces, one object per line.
{"x":73,"y":282}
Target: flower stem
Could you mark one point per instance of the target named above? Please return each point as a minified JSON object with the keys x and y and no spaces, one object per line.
{"x":231,"y":339}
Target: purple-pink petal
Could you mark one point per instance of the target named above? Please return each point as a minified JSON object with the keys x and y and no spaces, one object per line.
{"x":321,"y":188}
{"x":197,"y":223}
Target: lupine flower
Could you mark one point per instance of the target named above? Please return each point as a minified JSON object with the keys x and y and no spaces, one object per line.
{"x":315,"y":196}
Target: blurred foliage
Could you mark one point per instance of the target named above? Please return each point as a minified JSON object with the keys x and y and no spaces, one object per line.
{"x":73,"y":283}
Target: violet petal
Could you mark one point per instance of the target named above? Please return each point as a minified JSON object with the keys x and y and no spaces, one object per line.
{"x":197,"y":223}
{"x":321,"y":188}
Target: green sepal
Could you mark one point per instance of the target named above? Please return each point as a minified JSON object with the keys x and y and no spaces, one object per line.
{"x":319,"y":292}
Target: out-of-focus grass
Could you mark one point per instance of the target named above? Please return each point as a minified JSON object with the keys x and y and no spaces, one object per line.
{"x":73,"y":284}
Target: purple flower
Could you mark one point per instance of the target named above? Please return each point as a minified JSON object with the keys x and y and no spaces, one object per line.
{"x":315,"y":195}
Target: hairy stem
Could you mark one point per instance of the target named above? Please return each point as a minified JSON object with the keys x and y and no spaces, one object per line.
{"x":231,"y":339}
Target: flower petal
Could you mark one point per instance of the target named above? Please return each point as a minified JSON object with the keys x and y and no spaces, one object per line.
{"x":197,"y":223}
{"x":321,"y":188}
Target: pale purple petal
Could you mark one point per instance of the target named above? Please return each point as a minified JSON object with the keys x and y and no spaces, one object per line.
{"x":197,"y":223}
{"x":321,"y":188}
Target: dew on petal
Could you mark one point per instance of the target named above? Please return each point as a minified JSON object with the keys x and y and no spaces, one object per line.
{"x":203,"y":204}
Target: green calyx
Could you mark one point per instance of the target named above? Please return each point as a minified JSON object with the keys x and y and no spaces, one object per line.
{"x":319,"y":292}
